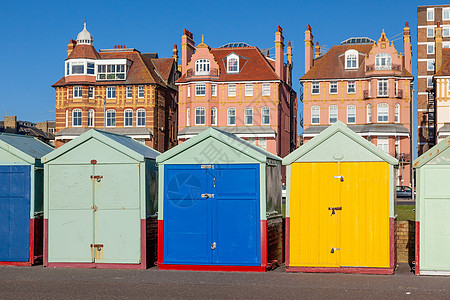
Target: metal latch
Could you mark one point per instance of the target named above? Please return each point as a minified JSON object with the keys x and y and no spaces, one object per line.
{"x":207,"y":196}
{"x":207,"y":166}
{"x":333,"y":209}
{"x":96,"y":251}
{"x":213,"y":246}
{"x":333,"y":249}
{"x":339,"y":177}
{"x":97,"y":177}
{"x":94,"y":207}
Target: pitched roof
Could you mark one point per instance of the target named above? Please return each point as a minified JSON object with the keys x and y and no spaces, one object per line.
{"x":84,"y":51}
{"x":445,"y":69}
{"x":119,"y":142}
{"x":253,"y":65}
{"x":332,"y":130}
{"x":30,"y":148}
{"x":331,"y":65}
{"x":432,"y":153}
{"x":164,"y":67}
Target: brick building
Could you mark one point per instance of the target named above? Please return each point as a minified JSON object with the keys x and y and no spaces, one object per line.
{"x":12,"y":125}
{"x":120,"y":90}
{"x":365,"y":84}
{"x":238,"y":88}
{"x":427,"y":19}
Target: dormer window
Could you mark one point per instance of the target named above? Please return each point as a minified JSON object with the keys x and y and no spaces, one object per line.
{"x":202,"y":67}
{"x":351,"y":59}
{"x":233,"y":63}
{"x":77,"y":67}
{"x":382,"y":61}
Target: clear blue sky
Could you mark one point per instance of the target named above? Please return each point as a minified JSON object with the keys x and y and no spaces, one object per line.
{"x":34,"y":34}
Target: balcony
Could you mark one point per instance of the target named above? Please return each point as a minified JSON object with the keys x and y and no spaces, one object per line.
{"x":213,"y":74}
{"x":403,"y":157}
{"x":366,"y":94}
{"x":392,"y":67}
{"x":399,"y":94}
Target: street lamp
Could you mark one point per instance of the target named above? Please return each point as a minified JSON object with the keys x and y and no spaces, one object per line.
{"x":104,"y":112}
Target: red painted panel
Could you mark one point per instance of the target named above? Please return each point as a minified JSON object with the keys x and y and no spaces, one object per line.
{"x":264,"y":243}
{"x":143,"y":263}
{"x":356,"y":270}
{"x":417,"y":249}
{"x":212,"y":268}
{"x":160,"y":241}
{"x":94,"y":266}
{"x":287,"y":237}
{"x":392,"y":254}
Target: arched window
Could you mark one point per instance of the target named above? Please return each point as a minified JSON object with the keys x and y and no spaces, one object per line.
{"x":67,"y":116}
{"x":140,"y":117}
{"x":232,"y":63}
{"x":265,"y":116}
{"x":231,"y":116}
{"x":128,"y":117}
{"x":369,"y":113}
{"x":188,"y":117}
{"x":315,"y":114}
{"x":202,"y":67}
{"x":397,"y":113}
{"x":351,"y":59}
{"x":200,"y":116}
{"x":351,"y":114}
{"x":91,"y":116}
{"x":333,"y":114}
{"x":76,"y":117}
{"x":383,"y":112}
{"x":213,"y":116}
{"x":248,"y":116}
{"x":382,"y":61}
{"x":110,"y":118}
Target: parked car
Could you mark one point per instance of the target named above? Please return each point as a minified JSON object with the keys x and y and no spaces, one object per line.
{"x":404,"y":192}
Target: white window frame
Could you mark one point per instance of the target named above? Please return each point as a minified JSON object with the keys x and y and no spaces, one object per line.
{"x":214,"y":90}
{"x":129,"y":91}
{"x":333,"y":114}
{"x":91,"y":92}
{"x":111,"y":119}
{"x":369,"y":113}
{"x":188,"y":90}
{"x":78,"y":91}
{"x":430,"y":32}
{"x":202,"y":67}
{"x":249,"y":89}
{"x":315,"y":86}
{"x":141,"y":91}
{"x":430,"y":82}
{"x":396,"y":88}
{"x":231,"y":113}
{"x":430,"y":49}
{"x":262,"y":143}
{"x":382,"y":112}
{"x":446,"y":10}
{"x":140,"y":117}
{"x":188,"y":117}
{"x":200,"y":89}
{"x":129,"y":118}
{"x":383,"y":88}
{"x":315,"y":114}
{"x":430,"y":14}
{"x":231,"y":90}
{"x":111,"y":92}
{"x":351,"y":113}
{"x":331,"y":85}
{"x":214,"y":116}
{"x":265,"y":115}
{"x":445,"y":33}
{"x":430,"y":65}
{"x":200,"y":115}
{"x":112,"y":71}
{"x":91,"y":118}
{"x":448,"y":87}
{"x":248,"y":116}
{"x":230,"y":67}
{"x":349,"y":85}
{"x":266,"y":89}
{"x":397,"y":113}
{"x":351,"y":59}
{"x":67,"y":118}
{"x":78,"y":118}
{"x":383,"y":143}
{"x":383,"y":61}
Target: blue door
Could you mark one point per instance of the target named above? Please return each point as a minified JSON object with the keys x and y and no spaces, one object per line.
{"x":211,"y":215}
{"x":15,"y":213}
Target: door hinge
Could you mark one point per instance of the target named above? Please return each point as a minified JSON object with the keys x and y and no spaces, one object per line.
{"x":333,"y":209}
{"x":207,"y":196}
{"x":207,"y":166}
{"x":97,"y":177}
{"x":213,"y":246}
{"x":339,"y":177}
{"x":334,"y":249}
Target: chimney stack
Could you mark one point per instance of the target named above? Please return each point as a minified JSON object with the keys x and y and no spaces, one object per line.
{"x":438,"y":45}
{"x":10,"y":124}
{"x":289,"y":53}
{"x":175,"y":53}
{"x":308,"y":48}
{"x":279,"y":53}
{"x":407,"y":48}
{"x":187,"y":49}
{"x":71,"y":46}
{"x":317,"y":52}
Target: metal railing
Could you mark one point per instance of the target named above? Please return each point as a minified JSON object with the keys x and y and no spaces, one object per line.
{"x":399,"y":94}
{"x":393,"y":67}
{"x":213,"y":73}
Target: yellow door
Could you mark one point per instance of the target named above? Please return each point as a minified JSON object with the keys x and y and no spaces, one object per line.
{"x":365,"y":214}
{"x":339,"y":221}
{"x":314,"y":229}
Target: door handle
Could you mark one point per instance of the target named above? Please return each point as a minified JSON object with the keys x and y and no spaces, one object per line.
{"x":333,"y":249}
{"x":339,"y":177}
{"x":207,"y":196}
{"x":213,"y":246}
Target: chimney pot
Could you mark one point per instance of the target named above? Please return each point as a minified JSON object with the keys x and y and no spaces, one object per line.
{"x":438,"y":24}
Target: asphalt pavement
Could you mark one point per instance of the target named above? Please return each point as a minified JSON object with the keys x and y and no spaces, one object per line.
{"x":40,"y":282}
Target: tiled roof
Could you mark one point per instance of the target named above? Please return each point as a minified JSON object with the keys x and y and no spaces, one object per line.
{"x":332,"y":64}
{"x":445,"y":69}
{"x":142,"y":70}
{"x":84,"y":51}
{"x":366,"y":129}
{"x":253,"y":65}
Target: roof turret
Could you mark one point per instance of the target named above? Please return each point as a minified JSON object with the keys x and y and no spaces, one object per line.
{"x":84,"y":37}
